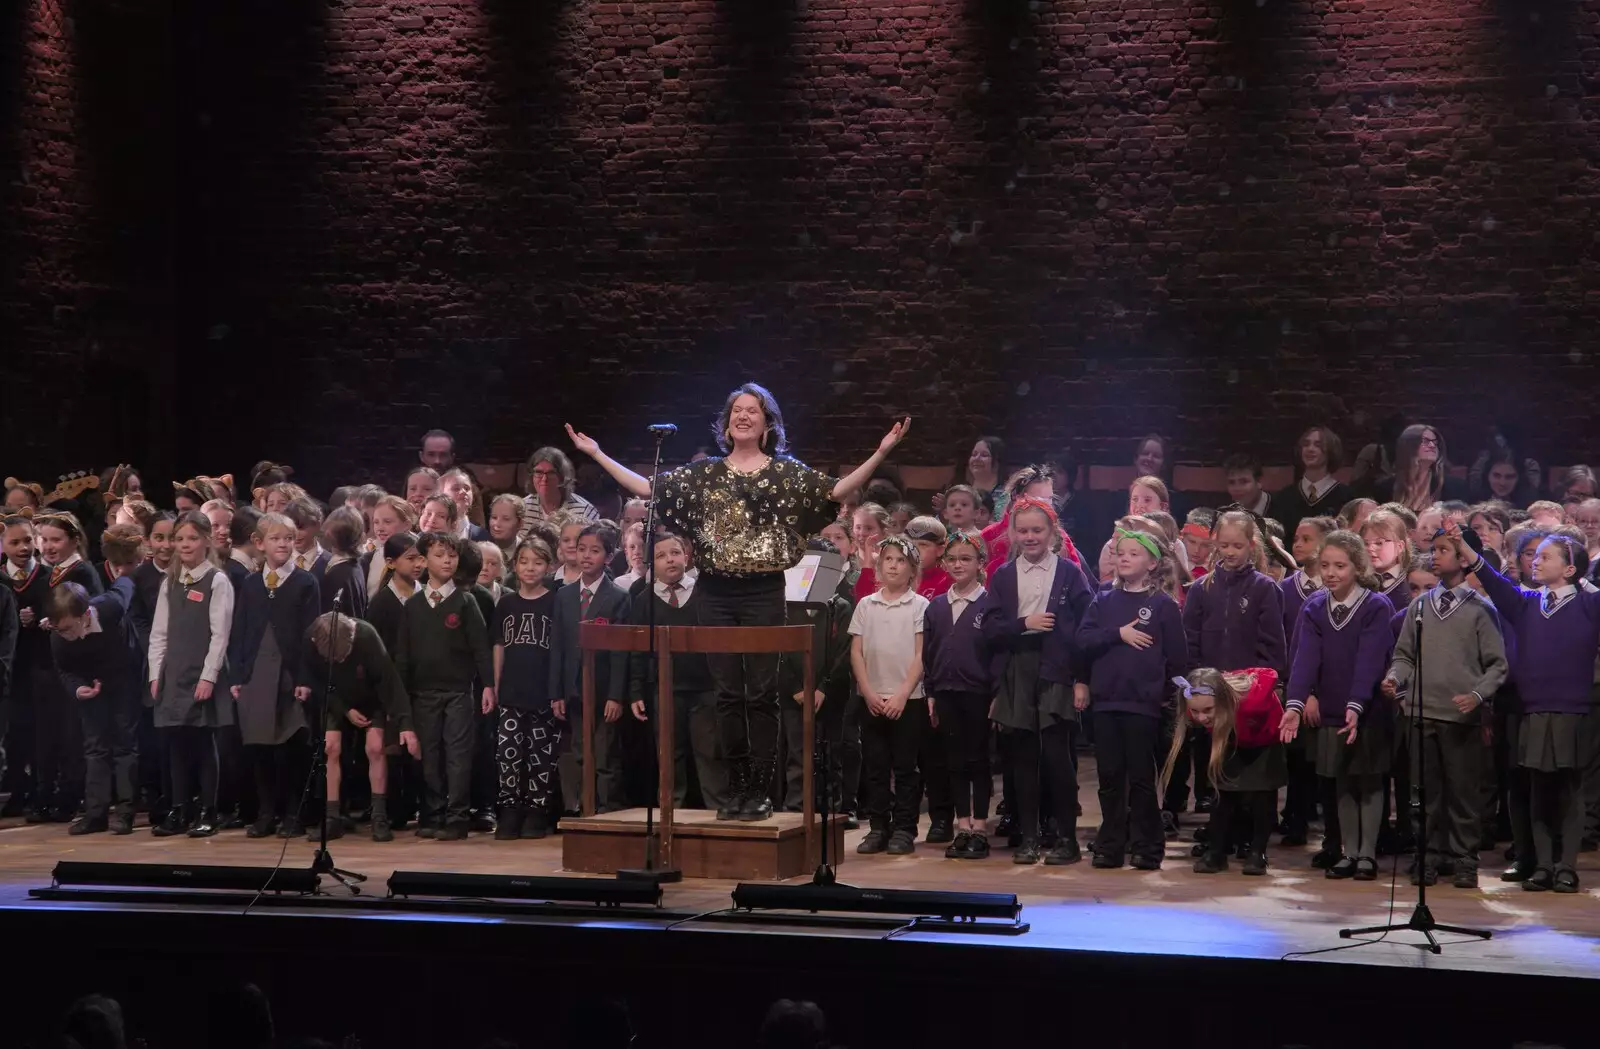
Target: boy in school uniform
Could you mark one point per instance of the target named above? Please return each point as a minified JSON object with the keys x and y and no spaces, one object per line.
{"x":444,"y":644}
{"x":830,"y":657}
{"x":1463,"y":659}
{"x":593,"y":598}
{"x":309,"y":556}
{"x":886,"y":658}
{"x":693,"y":697}
{"x":96,"y":653}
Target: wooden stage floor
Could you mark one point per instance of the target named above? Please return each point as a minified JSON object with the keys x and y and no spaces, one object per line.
{"x":1292,"y":909}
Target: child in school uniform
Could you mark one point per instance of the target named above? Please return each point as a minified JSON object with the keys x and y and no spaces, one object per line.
{"x":273,"y":612}
{"x":469,"y":575}
{"x":188,"y":655}
{"x":1557,"y":640}
{"x":342,"y":534}
{"x":402,"y":566}
{"x":96,"y":653}
{"x":528,"y":737}
{"x":309,"y":556}
{"x":244,"y":557}
{"x":886,"y":659}
{"x":1464,"y":664}
{"x":960,"y":679}
{"x":1039,"y":598}
{"x":29,"y":584}
{"x":929,"y":534}
{"x":365,"y":693}
{"x":391,"y":516}
{"x":1387,"y":537}
{"x":148,"y":577}
{"x":1342,"y":645}
{"x":1301,"y":797}
{"x":833,"y":680}
{"x":444,"y":644}
{"x":593,"y":597}
{"x":1132,"y":644}
{"x":58,"y":741}
{"x":1242,"y":717}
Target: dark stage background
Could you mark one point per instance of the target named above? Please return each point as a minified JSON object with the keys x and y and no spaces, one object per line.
{"x":310,"y":230}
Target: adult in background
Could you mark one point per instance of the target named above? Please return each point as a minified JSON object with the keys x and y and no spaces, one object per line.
{"x":552,"y":487}
{"x":748,"y":514}
{"x":986,"y":466}
{"x":1421,"y":471}
{"x":438,"y":450}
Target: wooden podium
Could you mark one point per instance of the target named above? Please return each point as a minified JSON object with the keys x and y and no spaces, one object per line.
{"x":785,"y":845}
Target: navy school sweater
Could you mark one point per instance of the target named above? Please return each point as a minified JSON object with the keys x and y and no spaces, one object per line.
{"x":1124,"y":678}
{"x":955,"y":652}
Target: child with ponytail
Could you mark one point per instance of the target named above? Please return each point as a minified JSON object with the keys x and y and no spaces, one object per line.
{"x":1245,"y":758}
{"x":1342,"y":646}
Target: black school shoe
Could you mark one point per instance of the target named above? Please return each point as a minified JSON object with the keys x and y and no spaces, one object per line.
{"x":1566,"y":881}
{"x":1366,"y":870}
{"x":381,"y":829}
{"x":1205,"y":804}
{"x":508,"y":824}
{"x":88,"y":825}
{"x":535,"y":824}
{"x":1345,"y":868}
{"x":1540,"y":880}
{"x":1325,"y":859}
{"x":1255,"y":864}
{"x":263,"y":827}
{"x":1518,"y":872}
{"x":451,"y":832}
{"x":977,"y":846}
{"x":1465,"y":878}
{"x":172,"y":826}
{"x":1147,"y":863}
{"x":1104,"y":861}
{"x":1425,"y":875}
{"x":1211,"y":863}
{"x":292,"y":827}
{"x":958,"y":848}
{"x":901,"y":843}
{"x":940,"y":832}
{"x":1169,"y":824}
{"x":876,"y":841}
{"x":1026,"y":853}
{"x":1065,"y":853}
{"x":121,"y":823}
{"x":483,"y":822}
{"x":205,"y":826}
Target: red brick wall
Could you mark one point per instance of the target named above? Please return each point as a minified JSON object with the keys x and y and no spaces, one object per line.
{"x":1073,"y":220}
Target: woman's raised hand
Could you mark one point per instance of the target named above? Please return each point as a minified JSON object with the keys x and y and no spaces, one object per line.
{"x":896,"y":434}
{"x":583,"y":442}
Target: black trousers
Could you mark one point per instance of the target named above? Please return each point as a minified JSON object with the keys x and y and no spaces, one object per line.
{"x":933,"y":760}
{"x":889,"y":767}
{"x":1129,"y":816}
{"x":485,"y":767}
{"x":610,"y":793}
{"x":1194,"y":757}
{"x":192,"y":762}
{"x":406,"y":787}
{"x":964,"y":734}
{"x":1452,"y":757}
{"x":444,"y":725}
{"x":747,"y":685}
{"x":1041,"y":763}
{"x":849,"y":754}
{"x":1300,"y":799}
{"x":152,"y":766}
{"x":57,"y":741}
{"x":279,"y":772}
{"x":1256,"y":809}
{"x":110,"y":729}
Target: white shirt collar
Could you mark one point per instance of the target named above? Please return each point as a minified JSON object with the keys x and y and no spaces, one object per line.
{"x":196,"y":573}
{"x":976,"y":592}
{"x":444,"y":591}
{"x":338,"y":559}
{"x":1350,"y":603}
{"x":245,"y":559}
{"x":1463,"y":594}
{"x":68,"y":563}
{"x":20,"y":573}
{"x":1314,"y":490}
{"x":1145,"y":589}
{"x":283,"y":573}
{"x":1563,"y":591}
{"x":1260,"y":506}
{"x":463,"y":526}
{"x":685,"y":588}
{"x":1025,"y":565}
{"x":1304,"y":585}
{"x":309,"y":558}
{"x":404,"y":597}
{"x":877,"y":596}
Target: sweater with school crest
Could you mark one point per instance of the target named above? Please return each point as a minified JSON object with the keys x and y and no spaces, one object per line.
{"x":955,"y":651}
{"x":443,"y":648}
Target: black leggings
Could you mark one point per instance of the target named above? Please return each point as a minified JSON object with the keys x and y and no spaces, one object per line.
{"x":192,"y":764}
{"x":1257,"y":808}
{"x":1042,"y":760}
{"x":280,"y":771}
{"x":747,"y":685}
{"x":964,"y":732}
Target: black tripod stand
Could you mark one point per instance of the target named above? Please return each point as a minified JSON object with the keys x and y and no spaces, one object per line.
{"x":1421,"y":917}
{"x":322,"y":861}
{"x":652,"y":869}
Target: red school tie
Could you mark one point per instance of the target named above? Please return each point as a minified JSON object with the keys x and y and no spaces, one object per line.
{"x":672,"y":594}
{"x":584,"y":597}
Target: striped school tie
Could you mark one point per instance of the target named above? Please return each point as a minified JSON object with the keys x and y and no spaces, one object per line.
{"x":672,"y":595}
{"x":1340,"y":614}
{"x":584,"y":598}
{"x":1549,"y":601}
{"x":1447,"y":601}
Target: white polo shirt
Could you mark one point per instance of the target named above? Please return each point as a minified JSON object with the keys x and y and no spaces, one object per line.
{"x":888,"y":632}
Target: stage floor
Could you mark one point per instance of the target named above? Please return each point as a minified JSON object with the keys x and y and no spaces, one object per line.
{"x":1292,"y":910}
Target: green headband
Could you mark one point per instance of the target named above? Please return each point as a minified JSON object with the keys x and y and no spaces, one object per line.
{"x":1144,"y":540}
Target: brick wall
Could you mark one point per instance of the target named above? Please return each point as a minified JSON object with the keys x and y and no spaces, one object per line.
{"x":1073,"y":220}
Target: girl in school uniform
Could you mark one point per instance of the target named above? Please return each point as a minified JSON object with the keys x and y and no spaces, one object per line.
{"x":1039,"y":599}
{"x":1388,"y":542}
{"x":188,"y":650}
{"x":274,"y":610}
{"x":58,"y":735}
{"x":1557,"y":639}
{"x":1242,"y":716}
{"x":1132,"y":640}
{"x":1233,"y":618}
{"x":342,"y":534}
{"x":391,"y":515}
{"x":1300,"y":801}
{"x":1342,"y":647}
{"x":957,"y":658}
{"x":61,"y":544}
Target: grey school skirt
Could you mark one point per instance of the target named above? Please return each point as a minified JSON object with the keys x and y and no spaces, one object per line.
{"x":1028,"y":704}
{"x":1370,"y":755}
{"x":1254,"y":768}
{"x":1545,"y":742}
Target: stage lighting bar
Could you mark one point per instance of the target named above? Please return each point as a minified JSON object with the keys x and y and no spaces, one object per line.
{"x":184,"y":876}
{"x":843,"y":899}
{"x":602,"y":892}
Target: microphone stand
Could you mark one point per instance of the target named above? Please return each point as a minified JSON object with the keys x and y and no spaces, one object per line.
{"x":652,"y":870}
{"x":322,"y":860}
{"x":1421,"y":919}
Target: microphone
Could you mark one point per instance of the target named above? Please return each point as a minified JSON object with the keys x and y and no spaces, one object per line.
{"x":659,"y":430}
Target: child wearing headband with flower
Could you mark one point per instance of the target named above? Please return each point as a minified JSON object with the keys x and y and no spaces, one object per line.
{"x":1241,"y":713}
{"x":1132,"y":640}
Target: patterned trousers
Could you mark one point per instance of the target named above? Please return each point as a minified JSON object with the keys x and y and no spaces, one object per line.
{"x":527,"y":744}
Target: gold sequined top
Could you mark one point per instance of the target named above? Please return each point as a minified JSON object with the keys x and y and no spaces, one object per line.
{"x":746,"y":524}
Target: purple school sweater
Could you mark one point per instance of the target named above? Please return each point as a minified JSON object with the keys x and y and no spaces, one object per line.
{"x":1341,"y":666}
{"x":1235,"y":622}
{"x":1552,"y":661}
{"x":956,"y":653}
{"x":1398,"y":595}
{"x":1069,"y":600}
{"x":1123,"y":678}
{"x":1294,"y":590}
